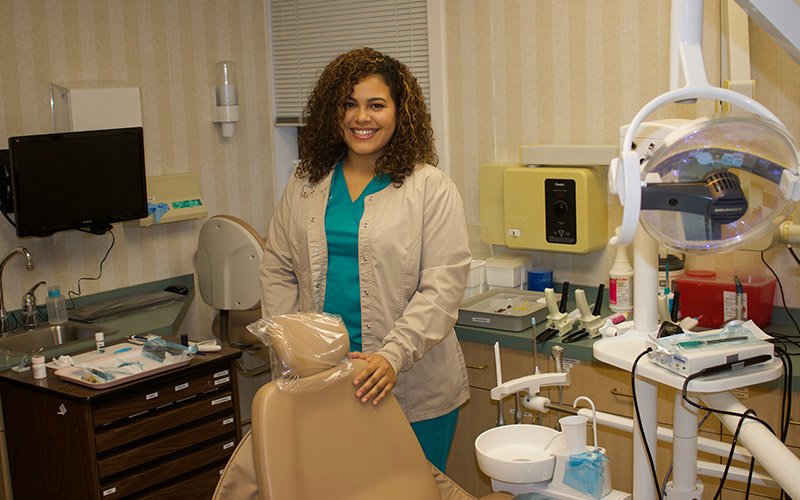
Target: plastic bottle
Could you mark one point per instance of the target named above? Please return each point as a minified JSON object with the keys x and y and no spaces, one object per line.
{"x":56,"y":306}
{"x":38,"y":368}
{"x":620,"y":283}
{"x":100,"y":342}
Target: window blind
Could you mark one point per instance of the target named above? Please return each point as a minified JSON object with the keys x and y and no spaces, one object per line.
{"x":308,"y":34}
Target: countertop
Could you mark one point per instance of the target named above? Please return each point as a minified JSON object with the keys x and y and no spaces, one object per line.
{"x":164,"y":320}
{"x":54,"y":385}
{"x":582,"y":350}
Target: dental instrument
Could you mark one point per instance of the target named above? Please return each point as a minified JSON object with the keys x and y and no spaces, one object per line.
{"x":696,"y":343}
{"x":500,"y":419}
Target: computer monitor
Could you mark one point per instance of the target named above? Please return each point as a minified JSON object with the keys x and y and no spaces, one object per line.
{"x":77,"y":180}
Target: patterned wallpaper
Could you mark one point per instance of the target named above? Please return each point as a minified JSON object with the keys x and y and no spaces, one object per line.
{"x":517,"y":72}
{"x":166,"y":48}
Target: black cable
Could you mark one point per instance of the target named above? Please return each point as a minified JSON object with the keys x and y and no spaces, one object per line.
{"x":721,"y":412}
{"x":784,"y":396}
{"x":742,"y":416}
{"x":783,"y":296}
{"x":750,"y":479}
{"x":787,"y":386}
{"x":730,"y":455}
{"x":666,"y":479}
{"x":791,"y":251}
{"x":641,"y":426}
{"x":781,"y":339}
{"x":8,"y":218}
{"x":71,"y":293}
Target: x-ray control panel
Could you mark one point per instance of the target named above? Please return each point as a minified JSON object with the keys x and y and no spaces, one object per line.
{"x":551,"y":209}
{"x":560,"y":215}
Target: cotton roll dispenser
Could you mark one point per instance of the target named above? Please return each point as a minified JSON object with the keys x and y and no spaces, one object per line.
{"x":719,"y":183}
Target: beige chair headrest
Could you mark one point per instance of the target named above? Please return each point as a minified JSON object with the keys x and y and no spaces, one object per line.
{"x":307,"y":343}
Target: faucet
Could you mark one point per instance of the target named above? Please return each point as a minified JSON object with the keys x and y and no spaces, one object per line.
{"x":4,"y":328}
{"x":29,"y":310}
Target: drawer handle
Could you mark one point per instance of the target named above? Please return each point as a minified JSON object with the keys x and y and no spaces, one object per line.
{"x":476,"y":367}
{"x":616,"y":392}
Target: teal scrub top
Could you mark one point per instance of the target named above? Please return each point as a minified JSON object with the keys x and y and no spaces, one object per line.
{"x":342,"y":217}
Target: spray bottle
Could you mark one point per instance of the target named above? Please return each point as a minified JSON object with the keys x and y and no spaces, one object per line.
{"x":620,"y":282}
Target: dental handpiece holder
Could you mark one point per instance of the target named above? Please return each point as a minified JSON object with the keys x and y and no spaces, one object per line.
{"x":590,"y":322}
{"x":530,"y":384}
{"x":556,"y":319}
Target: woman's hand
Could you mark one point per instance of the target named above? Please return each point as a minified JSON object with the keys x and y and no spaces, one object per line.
{"x":376,"y":380}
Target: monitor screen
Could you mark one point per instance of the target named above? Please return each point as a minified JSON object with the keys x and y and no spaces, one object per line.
{"x":77,"y":180}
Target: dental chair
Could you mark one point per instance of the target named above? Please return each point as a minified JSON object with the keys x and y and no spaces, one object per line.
{"x":317,"y":441}
{"x":229,"y":252}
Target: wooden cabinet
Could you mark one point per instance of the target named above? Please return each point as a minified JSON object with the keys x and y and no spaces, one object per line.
{"x":164,"y":436}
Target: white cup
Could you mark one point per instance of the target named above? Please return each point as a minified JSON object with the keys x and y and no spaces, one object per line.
{"x":574,"y":429}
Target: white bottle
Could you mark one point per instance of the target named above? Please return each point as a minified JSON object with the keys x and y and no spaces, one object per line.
{"x":99,"y":342}
{"x":620,"y":283}
{"x":38,"y":368}
{"x":56,"y":306}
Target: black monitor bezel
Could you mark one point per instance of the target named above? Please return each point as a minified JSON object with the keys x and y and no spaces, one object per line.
{"x":98,"y":224}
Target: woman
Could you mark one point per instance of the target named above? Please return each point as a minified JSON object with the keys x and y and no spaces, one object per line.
{"x":369,"y":229}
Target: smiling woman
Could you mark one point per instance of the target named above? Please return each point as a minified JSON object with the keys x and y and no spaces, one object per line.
{"x":367,"y":127}
{"x":369,"y":229}
{"x":369,"y":121}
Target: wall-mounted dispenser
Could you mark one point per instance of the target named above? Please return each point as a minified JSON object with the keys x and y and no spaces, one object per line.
{"x":95,"y":106}
{"x":225,"y":96}
{"x":172,"y":198}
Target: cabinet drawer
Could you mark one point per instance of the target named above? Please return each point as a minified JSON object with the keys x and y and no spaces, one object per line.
{"x":159,"y":395}
{"x":172,"y":442}
{"x":170,"y":417}
{"x":481,"y":370}
{"x":217,"y":451}
{"x":479,"y":359}
{"x":201,"y":485}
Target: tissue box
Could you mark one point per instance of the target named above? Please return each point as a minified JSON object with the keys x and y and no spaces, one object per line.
{"x":509,"y":270}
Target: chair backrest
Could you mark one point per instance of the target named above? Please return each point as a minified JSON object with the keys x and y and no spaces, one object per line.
{"x":229,"y":252}
{"x":319,"y":441}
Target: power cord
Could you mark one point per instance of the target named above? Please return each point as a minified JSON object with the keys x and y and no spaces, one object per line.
{"x":791,"y":251}
{"x":708,"y":371}
{"x":749,"y":414}
{"x":786,"y":403}
{"x":13,"y":224}
{"x":76,"y":294}
{"x":730,"y":455}
{"x":641,"y":426}
{"x":783,"y":296}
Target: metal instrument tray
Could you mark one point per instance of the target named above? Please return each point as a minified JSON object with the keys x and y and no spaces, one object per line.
{"x":503,"y":309}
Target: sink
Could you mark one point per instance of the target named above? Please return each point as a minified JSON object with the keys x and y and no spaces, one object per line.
{"x":518,"y":453}
{"x":25,"y":341}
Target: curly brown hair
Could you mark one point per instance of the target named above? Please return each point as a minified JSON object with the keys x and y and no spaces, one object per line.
{"x":321,"y":142}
